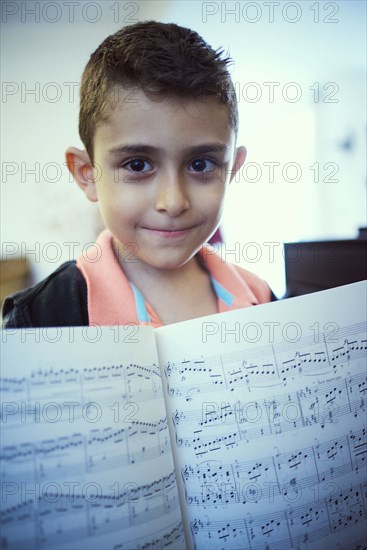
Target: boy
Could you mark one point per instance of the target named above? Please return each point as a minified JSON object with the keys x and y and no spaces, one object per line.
{"x":158,"y":119}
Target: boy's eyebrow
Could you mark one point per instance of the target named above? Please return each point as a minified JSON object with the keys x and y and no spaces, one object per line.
{"x":141,"y":148}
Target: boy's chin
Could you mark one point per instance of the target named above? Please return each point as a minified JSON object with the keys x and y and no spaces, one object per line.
{"x":169,"y":262}
{"x":169,"y":265}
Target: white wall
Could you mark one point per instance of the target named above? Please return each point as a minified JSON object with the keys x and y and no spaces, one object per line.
{"x":323,"y":47}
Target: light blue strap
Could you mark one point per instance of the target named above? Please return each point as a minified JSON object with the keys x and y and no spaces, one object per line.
{"x":222,"y":293}
{"x":141,"y":310}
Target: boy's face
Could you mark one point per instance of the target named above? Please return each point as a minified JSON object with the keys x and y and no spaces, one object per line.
{"x":162,"y":168}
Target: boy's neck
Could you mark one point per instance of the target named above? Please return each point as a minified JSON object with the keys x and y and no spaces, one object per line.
{"x":175,"y":294}
{"x":140,"y":273}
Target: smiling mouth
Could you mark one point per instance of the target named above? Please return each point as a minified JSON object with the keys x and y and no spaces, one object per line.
{"x":169,"y":233}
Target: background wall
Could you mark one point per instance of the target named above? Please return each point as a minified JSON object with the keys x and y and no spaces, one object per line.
{"x":299,"y":73}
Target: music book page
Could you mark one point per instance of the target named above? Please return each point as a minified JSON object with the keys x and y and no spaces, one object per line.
{"x":267,"y":414}
{"x":242,"y":430}
{"x":85,"y":453}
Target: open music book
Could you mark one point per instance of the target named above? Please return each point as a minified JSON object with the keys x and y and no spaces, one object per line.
{"x":242,"y":430}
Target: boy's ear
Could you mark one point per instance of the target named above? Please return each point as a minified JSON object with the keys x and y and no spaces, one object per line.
{"x":239,"y":160}
{"x":81,"y":168}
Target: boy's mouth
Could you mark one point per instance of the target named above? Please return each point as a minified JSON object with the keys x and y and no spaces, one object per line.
{"x":169,"y":233}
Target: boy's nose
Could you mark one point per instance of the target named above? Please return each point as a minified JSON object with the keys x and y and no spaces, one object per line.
{"x":171,"y":196}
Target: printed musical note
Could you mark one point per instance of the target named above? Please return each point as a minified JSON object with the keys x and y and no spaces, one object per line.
{"x":289,"y":528}
{"x":235,"y":371}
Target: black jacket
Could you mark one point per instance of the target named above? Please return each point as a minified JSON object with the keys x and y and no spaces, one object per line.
{"x":60,"y":300}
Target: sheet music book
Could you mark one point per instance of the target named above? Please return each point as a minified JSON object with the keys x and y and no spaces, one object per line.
{"x":242,"y":430}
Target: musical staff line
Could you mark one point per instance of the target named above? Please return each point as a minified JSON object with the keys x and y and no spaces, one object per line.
{"x":288,"y":528}
{"x":215,"y":483}
{"x":321,"y":405}
{"x":97,"y":513}
{"x":138,"y":383}
{"x":216,"y":372}
{"x":93,"y":452}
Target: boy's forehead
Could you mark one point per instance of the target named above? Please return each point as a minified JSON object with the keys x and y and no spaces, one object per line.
{"x":135,"y":115}
{"x":121,"y":98}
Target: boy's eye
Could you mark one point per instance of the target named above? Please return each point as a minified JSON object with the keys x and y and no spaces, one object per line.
{"x":138,"y":165}
{"x":202,"y":165}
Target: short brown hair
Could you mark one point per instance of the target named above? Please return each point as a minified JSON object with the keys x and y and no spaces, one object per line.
{"x":161,"y":59}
